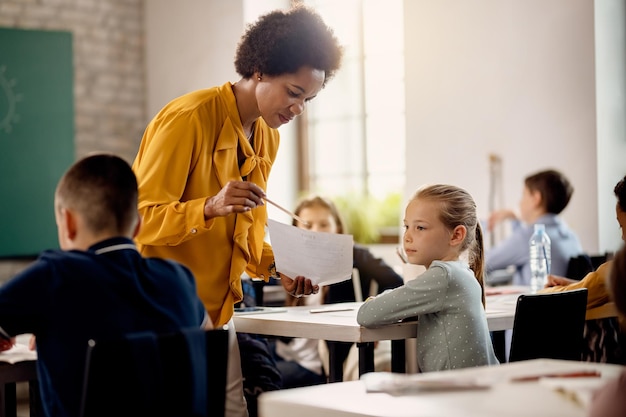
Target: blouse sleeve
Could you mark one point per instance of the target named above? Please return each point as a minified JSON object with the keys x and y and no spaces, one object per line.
{"x":167,"y":219}
{"x":422,"y":295}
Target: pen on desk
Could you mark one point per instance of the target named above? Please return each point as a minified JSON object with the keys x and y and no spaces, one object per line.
{"x":293,"y":215}
{"x":577,"y":374}
{"x":330,"y":309}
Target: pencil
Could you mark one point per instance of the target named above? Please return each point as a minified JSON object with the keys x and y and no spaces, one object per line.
{"x":575,"y":374}
{"x":293,"y":215}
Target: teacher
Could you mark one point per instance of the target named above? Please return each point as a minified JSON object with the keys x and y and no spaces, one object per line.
{"x":205,"y":158}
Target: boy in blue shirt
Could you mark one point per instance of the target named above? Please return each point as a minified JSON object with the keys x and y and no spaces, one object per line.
{"x":97,"y":286}
{"x":546,"y":194}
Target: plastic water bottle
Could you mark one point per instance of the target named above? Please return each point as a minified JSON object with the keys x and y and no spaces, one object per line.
{"x":539,"y":258}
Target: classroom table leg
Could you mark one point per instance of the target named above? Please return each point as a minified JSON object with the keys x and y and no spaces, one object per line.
{"x":34,"y":399}
{"x":335,"y":366}
{"x":366,"y":357}
{"x":8,"y":399}
{"x":398,"y":356}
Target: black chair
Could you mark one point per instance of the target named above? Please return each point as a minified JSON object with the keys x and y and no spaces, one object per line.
{"x":549,"y":326}
{"x":579,"y":266}
{"x":182,"y":374}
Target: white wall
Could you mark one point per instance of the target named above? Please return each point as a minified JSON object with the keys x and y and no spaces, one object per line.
{"x":190,"y":45}
{"x":610,"y":23}
{"x":513,"y":78}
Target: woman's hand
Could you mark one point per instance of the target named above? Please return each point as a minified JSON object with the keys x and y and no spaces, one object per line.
{"x":555,"y":280}
{"x":6,"y":344}
{"x":298,"y":287}
{"x":235,"y":197}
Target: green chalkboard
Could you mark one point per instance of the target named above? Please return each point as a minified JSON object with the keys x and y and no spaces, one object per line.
{"x":36,"y":135}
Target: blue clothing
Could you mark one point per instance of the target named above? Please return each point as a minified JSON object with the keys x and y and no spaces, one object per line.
{"x":66,"y":298}
{"x":447,"y":300}
{"x":514,"y":250}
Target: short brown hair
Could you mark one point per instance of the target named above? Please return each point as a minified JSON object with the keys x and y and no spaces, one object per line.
{"x":554,"y":187}
{"x":103,"y":189}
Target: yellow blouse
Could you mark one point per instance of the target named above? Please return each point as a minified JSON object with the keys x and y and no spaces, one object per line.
{"x":187,"y":154}
{"x":595,"y":282}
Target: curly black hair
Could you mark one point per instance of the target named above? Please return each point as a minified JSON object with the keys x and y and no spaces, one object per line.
{"x":620,"y":193}
{"x":282,"y":42}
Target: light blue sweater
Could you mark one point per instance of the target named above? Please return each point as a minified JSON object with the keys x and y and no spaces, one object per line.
{"x":447,"y":299}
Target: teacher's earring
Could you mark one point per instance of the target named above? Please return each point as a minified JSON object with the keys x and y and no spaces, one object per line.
{"x":259,"y":77}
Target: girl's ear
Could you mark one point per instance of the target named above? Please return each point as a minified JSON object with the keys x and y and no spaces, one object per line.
{"x":458,"y":235}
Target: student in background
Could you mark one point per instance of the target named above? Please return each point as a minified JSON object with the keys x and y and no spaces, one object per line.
{"x":299,"y":359}
{"x":545,"y":196}
{"x":601,"y":335}
{"x":448,"y":299}
{"x":608,"y":401}
{"x":97,"y":286}
{"x":205,"y":158}
{"x":322,"y":215}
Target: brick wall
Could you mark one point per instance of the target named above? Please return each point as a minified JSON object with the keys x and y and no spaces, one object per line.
{"x":109,"y":71}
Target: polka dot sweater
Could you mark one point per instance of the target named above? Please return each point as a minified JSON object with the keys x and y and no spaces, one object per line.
{"x":452,"y":331}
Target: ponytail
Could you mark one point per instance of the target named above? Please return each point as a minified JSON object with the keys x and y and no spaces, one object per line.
{"x":477,"y":260}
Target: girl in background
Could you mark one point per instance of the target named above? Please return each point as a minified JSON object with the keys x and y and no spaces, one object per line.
{"x":440,"y":226}
{"x":299,"y":359}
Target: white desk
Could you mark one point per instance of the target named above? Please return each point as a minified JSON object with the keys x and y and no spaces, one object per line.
{"x":504,"y":398}
{"x":341,"y":326}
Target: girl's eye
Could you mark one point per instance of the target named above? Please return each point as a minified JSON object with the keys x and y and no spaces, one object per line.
{"x":292,"y":93}
{"x":405,"y":227}
{"x":420,"y":228}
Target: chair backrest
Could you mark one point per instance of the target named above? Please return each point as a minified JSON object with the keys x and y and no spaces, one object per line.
{"x":356,"y":284}
{"x":180,"y":374}
{"x":579,"y":266}
{"x":549,"y":326}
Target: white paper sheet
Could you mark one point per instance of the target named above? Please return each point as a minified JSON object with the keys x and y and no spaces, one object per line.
{"x":324,"y":258}
{"x":18,"y":353}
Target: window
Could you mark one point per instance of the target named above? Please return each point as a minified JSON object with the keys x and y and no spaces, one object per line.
{"x":355,"y":129}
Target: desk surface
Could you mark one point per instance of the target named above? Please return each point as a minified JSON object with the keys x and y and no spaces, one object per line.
{"x":341,"y":326}
{"x":503,"y":398}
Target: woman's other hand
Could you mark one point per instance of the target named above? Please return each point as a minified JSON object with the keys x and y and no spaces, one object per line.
{"x":555,"y":281}
{"x":6,"y":344}
{"x":298,"y":287}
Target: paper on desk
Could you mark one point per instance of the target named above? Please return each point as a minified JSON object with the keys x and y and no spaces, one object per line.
{"x":324,"y":258}
{"x":408,"y":384}
{"x":578,"y":390}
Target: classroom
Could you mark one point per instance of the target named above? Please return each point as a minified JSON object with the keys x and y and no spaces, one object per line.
{"x":477,"y":94}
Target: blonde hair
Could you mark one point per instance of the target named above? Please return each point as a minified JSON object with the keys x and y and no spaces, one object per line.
{"x":457,"y":208}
